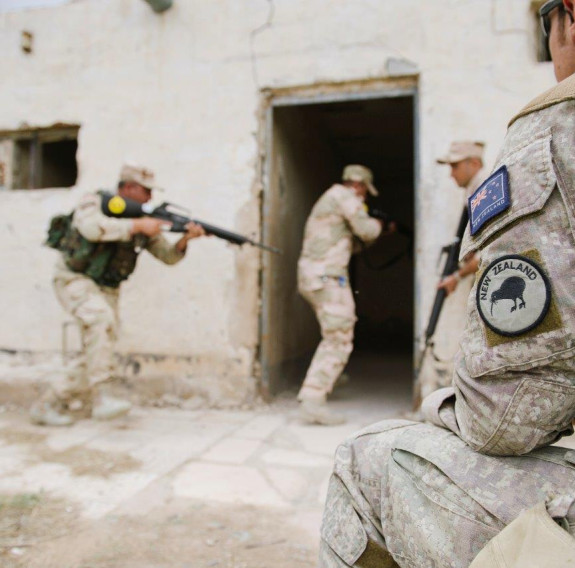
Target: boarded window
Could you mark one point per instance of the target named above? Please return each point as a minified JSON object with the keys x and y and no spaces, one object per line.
{"x":39,"y":158}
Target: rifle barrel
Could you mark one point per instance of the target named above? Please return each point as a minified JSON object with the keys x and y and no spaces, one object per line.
{"x":436,"y":310}
{"x":233,"y":237}
{"x":451,"y":263}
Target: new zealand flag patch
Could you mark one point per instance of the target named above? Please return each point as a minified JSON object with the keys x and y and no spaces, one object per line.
{"x":491,"y":199}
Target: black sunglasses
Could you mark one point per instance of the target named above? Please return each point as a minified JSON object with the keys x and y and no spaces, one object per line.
{"x":544,"y":12}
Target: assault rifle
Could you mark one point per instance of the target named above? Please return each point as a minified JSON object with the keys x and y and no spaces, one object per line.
{"x":402,"y":229}
{"x":116,"y":206}
{"x":387,"y":220}
{"x":451,"y":252}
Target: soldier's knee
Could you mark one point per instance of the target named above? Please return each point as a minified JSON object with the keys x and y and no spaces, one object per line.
{"x":331,"y":322}
{"x":96,"y":313}
{"x":345,"y":345}
{"x":341,"y":336}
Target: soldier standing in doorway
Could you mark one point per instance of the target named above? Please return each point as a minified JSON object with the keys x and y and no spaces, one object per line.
{"x":338,"y":216}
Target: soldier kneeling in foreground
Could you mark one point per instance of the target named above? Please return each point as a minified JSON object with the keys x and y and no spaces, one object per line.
{"x":422,"y":495}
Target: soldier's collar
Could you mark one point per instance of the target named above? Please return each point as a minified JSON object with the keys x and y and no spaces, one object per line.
{"x":563,"y":91}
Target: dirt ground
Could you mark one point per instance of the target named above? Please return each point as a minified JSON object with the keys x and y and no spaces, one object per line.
{"x":36,"y":532}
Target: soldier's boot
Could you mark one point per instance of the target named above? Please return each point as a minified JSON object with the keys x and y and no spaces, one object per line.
{"x":317,"y":412}
{"x":50,"y":413}
{"x":108,"y":407}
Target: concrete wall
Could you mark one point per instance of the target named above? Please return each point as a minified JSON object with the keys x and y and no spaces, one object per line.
{"x":180,"y":92}
{"x":301,"y":167}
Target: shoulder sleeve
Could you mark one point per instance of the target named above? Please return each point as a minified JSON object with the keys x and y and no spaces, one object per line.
{"x":95,"y":226}
{"x":561,"y":92}
{"x":354,"y":212}
{"x":563,"y":151}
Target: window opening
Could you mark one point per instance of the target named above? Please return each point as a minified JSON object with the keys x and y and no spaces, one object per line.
{"x":38,"y":159}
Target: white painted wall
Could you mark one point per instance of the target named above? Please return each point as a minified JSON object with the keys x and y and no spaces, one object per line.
{"x":180,"y":93}
{"x":14,"y":5}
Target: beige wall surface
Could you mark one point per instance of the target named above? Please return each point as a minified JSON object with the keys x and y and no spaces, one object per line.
{"x":181,"y":92}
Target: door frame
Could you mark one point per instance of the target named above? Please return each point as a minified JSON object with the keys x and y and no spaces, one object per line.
{"x":323,"y":94}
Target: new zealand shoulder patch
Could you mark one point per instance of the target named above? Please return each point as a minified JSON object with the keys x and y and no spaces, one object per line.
{"x":490,"y":199}
{"x":513,"y":295}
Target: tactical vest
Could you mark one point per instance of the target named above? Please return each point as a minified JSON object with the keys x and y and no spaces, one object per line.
{"x":106,"y":263}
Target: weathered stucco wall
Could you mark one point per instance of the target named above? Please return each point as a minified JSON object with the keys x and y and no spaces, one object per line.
{"x":180,"y":92}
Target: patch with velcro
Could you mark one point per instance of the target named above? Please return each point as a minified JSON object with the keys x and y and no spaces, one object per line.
{"x":513,"y":295}
{"x":489,"y":200}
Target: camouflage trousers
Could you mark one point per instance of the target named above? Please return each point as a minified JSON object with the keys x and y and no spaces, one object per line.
{"x":95,"y":309}
{"x":416,"y":496}
{"x":335,"y":311}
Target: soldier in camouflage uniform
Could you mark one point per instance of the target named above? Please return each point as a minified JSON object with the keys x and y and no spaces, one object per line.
{"x":465,"y":159}
{"x":100,"y":252}
{"x":338,"y":216}
{"x":417,"y":495}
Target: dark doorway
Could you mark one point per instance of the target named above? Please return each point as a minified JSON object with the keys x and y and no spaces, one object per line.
{"x":311,"y":144}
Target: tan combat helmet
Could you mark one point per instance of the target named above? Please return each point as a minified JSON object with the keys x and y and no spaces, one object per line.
{"x":355,"y":172}
{"x":461,"y":150}
{"x":138,"y":174}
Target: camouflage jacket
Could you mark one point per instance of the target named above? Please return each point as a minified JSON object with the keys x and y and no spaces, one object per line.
{"x":514,"y":382}
{"x":113,"y":234}
{"x":337,"y":216}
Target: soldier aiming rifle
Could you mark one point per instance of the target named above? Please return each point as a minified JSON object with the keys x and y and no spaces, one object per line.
{"x":100,"y":242}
